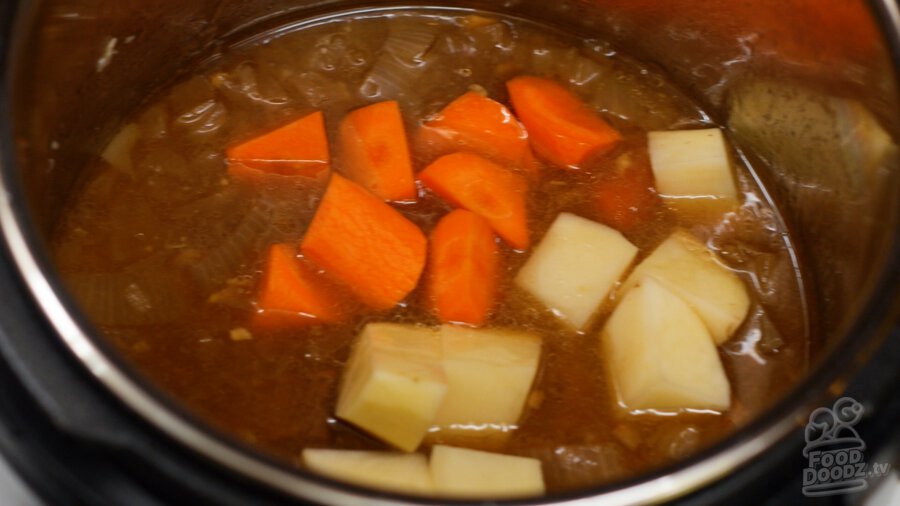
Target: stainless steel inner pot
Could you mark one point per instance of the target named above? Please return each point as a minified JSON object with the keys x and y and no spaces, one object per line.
{"x":809,"y":88}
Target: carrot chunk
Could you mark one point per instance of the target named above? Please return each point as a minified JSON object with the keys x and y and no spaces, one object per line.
{"x":296,"y":149}
{"x":469,"y":181}
{"x":463,"y":268}
{"x":375,"y":151}
{"x":476,"y":123}
{"x":562,"y":128}
{"x":624,"y":197}
{"x":292,"y":294}
{"x":365,"y":244}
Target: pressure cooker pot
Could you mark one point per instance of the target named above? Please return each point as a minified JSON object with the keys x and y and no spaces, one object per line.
{"x":195,"y":299}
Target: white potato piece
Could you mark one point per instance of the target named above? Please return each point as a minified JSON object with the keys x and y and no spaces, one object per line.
{"x":660,"y":354}
{"x":691,"y":163}
{"x":464,"y":473}
{"x":575,"y":266}
{"x":489,"y":376}
{"x":118,"y":151}
{"x":692,"y":271}
{"x":408,"y":473}
{"x":394,"y":383}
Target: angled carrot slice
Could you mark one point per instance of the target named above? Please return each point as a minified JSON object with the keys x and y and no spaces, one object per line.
{"x":469,"y":181}
{"x":296,"y":149}
{"x":375,"y":151}
{"x":476,"y":123}
{"x":562,"y":128}
{"x":292,"y":294}
{"x":365,"y":244}
{"x":463,"y":268}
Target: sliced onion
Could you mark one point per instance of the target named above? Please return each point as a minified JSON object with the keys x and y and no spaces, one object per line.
{"x":136,"y":295}
{"x":642,"y":98}
{"x":185,"y":97}
{"x":206,"y":118}
{"x":163,"y":162}
{"x":498,"y":34}
{"x":319,"y":90}
{"x":545,"y":61}
{"x":409,"y":40}
{"x":245,"y":83}
{"x":583,"y":71}
{"x":864,"y":143}
{"x":388,"y":79}
{"x":761,"y":339}
{"x":213,"y":208}
{"x":570,"y":467}
{"x":456,"y":44}
{"x":341,"y":54}
{"x":118,"y":152}
{"x":401,"y":61}
{"x":676,"y":441}
{"x":154,"y":122}
{"x":223,"y":261}
{"x":329,"y":52}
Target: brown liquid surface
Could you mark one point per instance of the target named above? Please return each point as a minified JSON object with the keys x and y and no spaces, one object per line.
{"x":165,"y":255}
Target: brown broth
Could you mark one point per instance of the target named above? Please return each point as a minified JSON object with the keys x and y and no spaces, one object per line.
{"x":164,"y":256}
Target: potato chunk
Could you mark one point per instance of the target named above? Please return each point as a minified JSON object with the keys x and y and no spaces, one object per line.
{"x":397,"y":472}
{"x":575,"y":266}
{"x":394,"y":383}
{"x":691,"y":163}
{"x":690,"y":270}
{"x":489,"y":376}
{"x":463,"y":473}
{"x":660,"y":354}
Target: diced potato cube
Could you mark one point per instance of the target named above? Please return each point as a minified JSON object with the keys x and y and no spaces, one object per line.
{"x":692,"y":271}
{"x":575,"y":266}
{"x":394,"y":383}
{"x":691,"y":163}
{"x":660,"y":354}
{"x":489,"y":376}
{"x":397,"y":472}
{"x":118,"y":151}
{"x":464,"y":473}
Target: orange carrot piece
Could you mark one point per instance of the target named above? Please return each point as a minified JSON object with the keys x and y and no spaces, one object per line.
{"x":296,"y":149}
{"x":292,"y":294}
{"x":562,"y":128}
{"x":625,"y":197}
{"x":365,"y":244}
{"x":463,"y":268}
{"x":375,"y":151}
{"x":497,"y":194}
{"x":476,"y":123}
